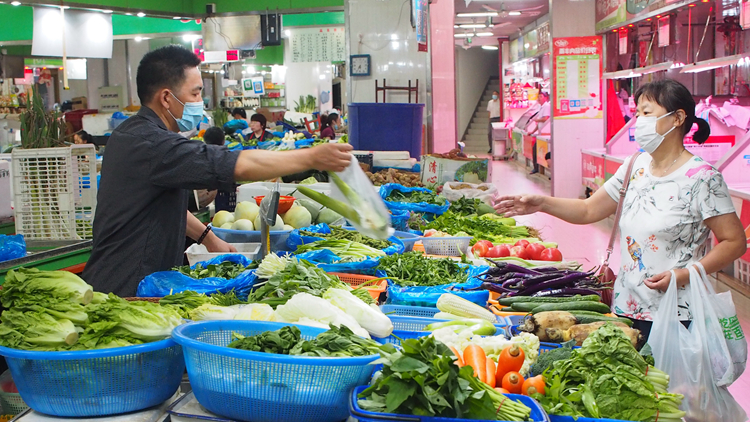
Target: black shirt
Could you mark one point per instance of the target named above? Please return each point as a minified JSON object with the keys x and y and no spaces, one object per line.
{"x":141,"y":214}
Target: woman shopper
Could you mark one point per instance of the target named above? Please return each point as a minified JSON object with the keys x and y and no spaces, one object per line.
{"x":258,"y":132}
{"x":674,"y":201}
{"x":330,"y":125}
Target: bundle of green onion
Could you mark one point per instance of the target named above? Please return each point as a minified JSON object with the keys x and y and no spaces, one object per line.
{"x":346,"y":249}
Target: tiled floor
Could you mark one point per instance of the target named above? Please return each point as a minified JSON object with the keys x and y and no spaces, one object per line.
{"x":587,"y":244}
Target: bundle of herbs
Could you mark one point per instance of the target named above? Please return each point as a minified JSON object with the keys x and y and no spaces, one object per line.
{"x":336,"y":342}
{"x":338,"y":233}
{"x":414,"y":269}
{"x":415,"y":197}
{"x":487,"y":227}
{"x":348,"y":250}
{"x":40,"y":128}
{"x":228,"y":270}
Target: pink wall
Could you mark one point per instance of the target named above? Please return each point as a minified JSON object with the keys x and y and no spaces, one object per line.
{"x":443,"y":64}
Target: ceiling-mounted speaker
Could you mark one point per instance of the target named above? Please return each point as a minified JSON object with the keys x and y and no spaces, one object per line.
{"x":270,"y":29}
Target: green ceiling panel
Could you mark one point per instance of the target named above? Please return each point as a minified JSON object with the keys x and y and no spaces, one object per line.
{"x":17,"y":23}
{"x":131,"y":25}
{"x":268,"y":56}
{"x":313,"y":19}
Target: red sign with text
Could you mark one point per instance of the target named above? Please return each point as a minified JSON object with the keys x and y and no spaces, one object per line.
{"x":592,"y":169}
{"x":577,"y":67}
{"x":745,"y":219}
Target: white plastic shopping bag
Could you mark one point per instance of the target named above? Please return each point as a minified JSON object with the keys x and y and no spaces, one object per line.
{"x":453,"y":191}
{"x":723,"y":305}
{"x":697,"y":359}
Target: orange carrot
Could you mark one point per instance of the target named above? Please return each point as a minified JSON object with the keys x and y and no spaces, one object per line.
{"x":533,"y":385}
{"x":474,"y":356}
{"x":502,"y":390}
{"x":459,"y":360}
{"x":510,"y":360}
{"x":490,"y":372}
{"x":513,"y":382}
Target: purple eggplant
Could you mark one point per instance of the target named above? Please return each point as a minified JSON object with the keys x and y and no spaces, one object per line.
{"x":513,"y":267}
{"x":557,"y":283}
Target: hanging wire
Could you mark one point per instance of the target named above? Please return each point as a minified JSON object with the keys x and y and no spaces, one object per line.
{"x":708,"y":19}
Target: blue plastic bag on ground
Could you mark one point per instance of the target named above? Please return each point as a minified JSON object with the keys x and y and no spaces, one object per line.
{"x":330,"y":262}
{"x":12,"y":247}
{"x":296,"y":239}
{"x":164,"y":283}
{"x":429,"y":295}
{"x":386,"y":190}
{"x":303,"y":143}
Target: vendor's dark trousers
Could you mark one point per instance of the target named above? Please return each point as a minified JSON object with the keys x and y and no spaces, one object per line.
{"x":533,"y":157}
{"x":489,"y":133}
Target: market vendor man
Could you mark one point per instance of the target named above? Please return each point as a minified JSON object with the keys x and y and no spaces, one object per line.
{"x":141,"y":217}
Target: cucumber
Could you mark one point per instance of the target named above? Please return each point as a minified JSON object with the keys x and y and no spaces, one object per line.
{"x":587,"y":319}
{"x":526,"y":299}
{"x":507,"y":309}
{"x":572,"y":306}
{"x":585,"y":313}
{"x":523,"y":306}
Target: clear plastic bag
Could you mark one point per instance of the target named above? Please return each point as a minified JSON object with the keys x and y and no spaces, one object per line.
{"x":697,"y":357}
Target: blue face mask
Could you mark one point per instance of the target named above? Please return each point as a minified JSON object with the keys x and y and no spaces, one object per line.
{"x":335,"y":126}
{"x":192,"y":114}
{"x":494,"y":97}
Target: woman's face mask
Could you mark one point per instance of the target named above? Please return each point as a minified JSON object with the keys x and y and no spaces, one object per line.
{"x":646,"y":135}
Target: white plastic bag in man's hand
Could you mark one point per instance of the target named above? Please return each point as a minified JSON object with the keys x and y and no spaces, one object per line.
{"x":695,"y":358}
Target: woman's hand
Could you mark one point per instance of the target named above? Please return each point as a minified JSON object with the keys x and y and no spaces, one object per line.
{"x":511,"y":206}
{"x":661,"y":281}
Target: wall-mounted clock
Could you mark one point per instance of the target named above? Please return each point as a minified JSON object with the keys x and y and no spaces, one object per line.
{"x":359,"y":65}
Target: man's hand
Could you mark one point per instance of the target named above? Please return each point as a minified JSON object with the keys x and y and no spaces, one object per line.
{"x":216,"y":245}
{"x":331,"y":157}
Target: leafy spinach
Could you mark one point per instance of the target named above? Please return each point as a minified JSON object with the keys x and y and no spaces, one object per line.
{"x":336,"y":342}
{"x":414,"y":269}
{"x":415,"y":197}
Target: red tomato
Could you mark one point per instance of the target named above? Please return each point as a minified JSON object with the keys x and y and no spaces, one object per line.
{"x":552,"y":254}
{"x":520,"y":252}
{"x":486,"y":242}
{"x":479,"y":249}
{"x":535,"y":251}
{"x":522,"y":242}
{"x":499,"y":251}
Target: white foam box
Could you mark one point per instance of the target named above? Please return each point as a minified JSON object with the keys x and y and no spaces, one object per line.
{"x":249,"y":191}
{"x":397,"y":164}
{"x":199,"y":253}
{"x":97,"y":124}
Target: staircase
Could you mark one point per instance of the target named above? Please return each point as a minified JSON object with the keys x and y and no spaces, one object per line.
{"x":475,"y":137}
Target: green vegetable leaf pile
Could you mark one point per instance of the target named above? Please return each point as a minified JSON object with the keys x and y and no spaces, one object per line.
{"x":57,"y":311}
{"x":608,"y":378}
{"x":300,"y":276}
{"x":414,"y":269}
{"x":422,"y":379}
{"x":415,"y":197}
{"x":353,"y":235}
{"x":336,"y":342}
{"x":485,"y":227}
{"x":227,"y":270}
{"x":474,"y":206}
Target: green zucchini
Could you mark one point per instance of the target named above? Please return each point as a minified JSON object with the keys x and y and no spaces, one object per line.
{"x":524,"y":306}
{"x":571,"y":306}
{"x":508,"y":309}
{"x":507,"y":301}
{"x":587,"y":319}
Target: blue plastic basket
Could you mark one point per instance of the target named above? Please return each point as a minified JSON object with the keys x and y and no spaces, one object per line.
{"x":409,"y":239}
{"x":406,"y":327}
{"x":403,"y":310}
{"x":97,"y":382}
{"x":537,"y":412}
{"x":278,"y":238}
{"x":266,"y":387}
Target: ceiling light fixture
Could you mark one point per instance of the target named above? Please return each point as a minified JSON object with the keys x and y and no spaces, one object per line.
{"x":15,"y":3}
{"x":476,"y":14}
{"x":140,"y":14}
{"x":472,"y":25}
{"x":176,"y":18}
{"x":489,"y":47}
{"x":622,"y":74}
{"x":138,"y":39}
{"x":514,"y":13}
{"x":713,"y":63}
{"x":462,"y":35}
{"x":484,"y":34}
{"x":107,"y":11}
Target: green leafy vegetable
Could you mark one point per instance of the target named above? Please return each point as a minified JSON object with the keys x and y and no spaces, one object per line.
{"x":140,"y":320}
{"x":228,"y":270}
{"x":414,"y":269}
{"x":607,"y":377}
{"x":416,"y":196}
{"x":25,"y":286}
{"x":546,"y":359}
{"x":336,"y":342}
{"x":478,"y":227}
{"x":35,"y":330}
{"x":422,"y":379}
{"x":346,"y":249}
{"x":353,"y":235}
